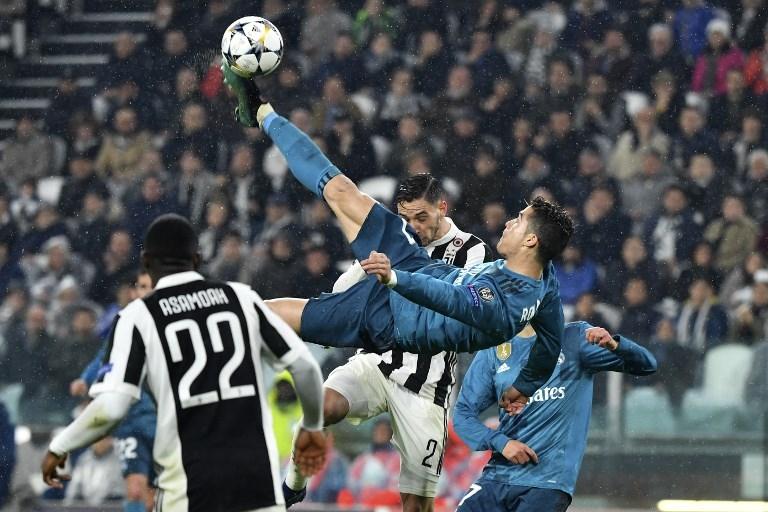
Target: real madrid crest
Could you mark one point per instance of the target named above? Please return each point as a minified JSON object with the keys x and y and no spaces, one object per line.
{"x":503,"y":351}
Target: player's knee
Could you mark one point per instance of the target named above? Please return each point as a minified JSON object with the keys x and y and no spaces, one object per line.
{"x":339,"y":189}
{"x":335,"y":407}
{"x":414,"y":503}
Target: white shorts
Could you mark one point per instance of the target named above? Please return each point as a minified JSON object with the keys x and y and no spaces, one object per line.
{"x":420,"y":426}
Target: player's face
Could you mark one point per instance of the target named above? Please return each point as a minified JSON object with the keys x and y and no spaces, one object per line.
{"x":143,"y":286}
{"x":424,"y":217}
{"x":515,"y":233}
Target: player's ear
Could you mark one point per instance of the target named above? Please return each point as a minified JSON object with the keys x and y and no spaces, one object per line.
{"x":531,"y":240}
{"x":443,"y":207}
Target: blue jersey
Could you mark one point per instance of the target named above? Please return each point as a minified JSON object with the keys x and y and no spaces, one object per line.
{"x":555,"y":421}
{"x":141,"y":417}
{"x":441,"y":307}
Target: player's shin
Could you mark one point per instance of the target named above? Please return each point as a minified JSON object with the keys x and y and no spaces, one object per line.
{"x":305,"y":160}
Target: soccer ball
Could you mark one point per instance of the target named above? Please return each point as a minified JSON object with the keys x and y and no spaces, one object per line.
{"x":252,"y":46}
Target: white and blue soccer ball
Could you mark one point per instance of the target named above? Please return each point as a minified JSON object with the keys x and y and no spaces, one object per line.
{"x":252,"y":46}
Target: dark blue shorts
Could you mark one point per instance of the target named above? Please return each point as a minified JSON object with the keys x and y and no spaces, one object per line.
{"x":134,"y":439}
{"x":493,"y":496}
{"x":361,"y":317}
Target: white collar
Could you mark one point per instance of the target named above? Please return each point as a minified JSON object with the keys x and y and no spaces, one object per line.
{"x":450,"y":235}
{"x":177,"y":279}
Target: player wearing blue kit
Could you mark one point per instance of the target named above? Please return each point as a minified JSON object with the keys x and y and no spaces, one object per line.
{"x":537,"y":454}
{"x":135,"y":435}
{"x":436,"y":306}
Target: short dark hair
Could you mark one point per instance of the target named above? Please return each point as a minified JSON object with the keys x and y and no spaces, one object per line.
{"x":420,"y":186}
{"x":552,"y":226}
{"x":171,"y":240}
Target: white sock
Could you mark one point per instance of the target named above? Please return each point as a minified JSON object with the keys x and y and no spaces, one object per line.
{"x":294,"y":479}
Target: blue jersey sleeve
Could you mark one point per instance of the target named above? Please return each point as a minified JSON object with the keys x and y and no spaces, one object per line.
{"x":476,"y":395}
{"x":90,"y":372}
{"x":460,"y":302}
{"x":548,"y":324}
{"x":629,"y":357}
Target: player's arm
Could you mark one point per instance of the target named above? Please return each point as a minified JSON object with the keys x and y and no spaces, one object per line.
{"x":286,"y":350}
{"x":604,"y":352}
{"x":477,"y":393}
{"x":116,"y":388}
{"x":548,"y":323}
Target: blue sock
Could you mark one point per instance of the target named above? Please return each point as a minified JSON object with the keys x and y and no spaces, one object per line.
{"x":305,"y":160}
{"x":134,"y":506}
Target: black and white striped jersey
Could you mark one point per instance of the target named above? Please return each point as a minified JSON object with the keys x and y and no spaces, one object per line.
{"x":433,"y":376}
{"x":199,"y":345}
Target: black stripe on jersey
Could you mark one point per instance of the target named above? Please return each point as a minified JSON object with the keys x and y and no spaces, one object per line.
{"x":443,"y":385}
{"x":397,"y":362}
{"x":136,"y":358}
{"x":439,"y":251}
{"x":223,"y":443}
{"x":271,"y":337}
{"x":108,"y":351}
{"x":419,"y":377}
{"x":445,"y":441}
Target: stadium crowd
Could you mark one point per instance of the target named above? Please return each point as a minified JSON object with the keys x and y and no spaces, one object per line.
{"x":644,"y":117}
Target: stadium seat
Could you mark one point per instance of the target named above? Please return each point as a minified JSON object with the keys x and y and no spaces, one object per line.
{"x":382,"y":188}
{"x":715,"y":406}
{"x":647,"y":411}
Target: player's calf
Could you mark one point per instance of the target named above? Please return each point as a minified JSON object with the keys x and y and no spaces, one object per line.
{"x":414,"y":503}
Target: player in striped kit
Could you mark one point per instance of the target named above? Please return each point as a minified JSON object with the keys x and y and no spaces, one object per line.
{"x":413,"y":388}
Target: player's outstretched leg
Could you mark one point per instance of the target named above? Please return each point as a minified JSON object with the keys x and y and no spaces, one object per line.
{"x":305,"y":160}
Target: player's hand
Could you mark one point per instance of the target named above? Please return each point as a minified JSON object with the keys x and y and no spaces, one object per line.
{"x":602,"y":338}
{"x":78,"y":387}
{"x":519,"y":453}
{"x":51,"y":476}
{"x":309,"y":451}
{"x":251,"y":107}
{"x":513,"y":401}
{"x":377,"y":264}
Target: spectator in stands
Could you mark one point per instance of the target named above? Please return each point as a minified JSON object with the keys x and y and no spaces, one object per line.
{"x":750,"y":318}
{"x":703,"y":322}
{"x":662,"y":56}
{"x":122,"y":149}
{"x":92,"y":226}
{"x":457,"y":98}
{"x":737,"y":286}
{"x":690,"y":24}
{"x":246,"y":186}
{"x":229,"y":262}
{"x":218,"y":222}
{"x":677,"y":363}
{"x":116,"y":265}
{"x":278,"y":273}
{"x":718,"y":58}
{"x":373,"y":474}
{"x":702,"y":266}
{"x":672,"y":233}
{"x":692,"y":138}
{"x":7,"y":454}
{"x":29,"y":154}
{"x":564,"y":144}
{"x":634,"y":263}
{"x":585,"y":311}
{"x":285,"y":410}
{"x":577,"y":274}
{"x":153,"y":201}
{"x":432,"y":63}
{"x":344,"y":62}
{"x":46,"y":224}
{"x":486,"y":61}
{"x":350,"y":147}
{"x":325,"y":486}
{"x":195,"y":132}
{"x":534,"y":173}
{"x":590,"y":174}
{"x":668,"y":100}
{"x":478,"y":185}
{"x":334,"y":99}
{"x":374,"y":18}
{"x":400,"y":101}
{"x":322,"y":23}
{"x":462,"y":145}
{"x":587,"y":22}
{"x":192,"y":185}
{"x":561,"y":91}
{"x":756,"y":67}
{"x":73,"y":351}
{"x":81,"y":180}
{"x":10,"y":271}
{"x":96,"y":476}
{"x":641,"y":194}
{"x":124,"y":64}
{"x":290,"y":91}
{"x":750,"y":138}
{"x":318,"y":275}
{"x":46,"y":271}
{"x":638,"y":316}
{"x":613,"y":59}
{"x":603,"y":226}
{"x":598,"y":113}
{"x":705,"y":185}
{"x":176,"y":54}
{"x":727,"y":109}
{"x":28,"y":350}
{"x":68,"y":100}
{"x":733,"y":235}
{"x":755,"y":186}
{"x":380,"y":60}
{"x":631,"y":146}
{"x":410,"y":137}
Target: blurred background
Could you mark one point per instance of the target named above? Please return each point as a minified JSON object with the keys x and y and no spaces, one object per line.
{"x":645,"y":117}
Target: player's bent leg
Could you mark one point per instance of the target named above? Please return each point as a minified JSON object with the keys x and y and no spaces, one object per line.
{"x":350,"y":206}
{"x":535,"y":499}
{"x":335,"y":407}
{"x":482,"y":496}
{"x":137,"y":493}
{"x":289,"y":309}
{"x":414,"y":503}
